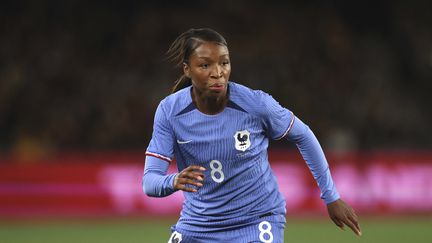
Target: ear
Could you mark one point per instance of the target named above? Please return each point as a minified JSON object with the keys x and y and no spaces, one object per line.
{"x":186,"y":70}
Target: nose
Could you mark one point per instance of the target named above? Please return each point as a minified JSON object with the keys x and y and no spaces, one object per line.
{"x":216,"y":72}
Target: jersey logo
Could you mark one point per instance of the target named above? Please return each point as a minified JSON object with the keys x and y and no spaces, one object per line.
{"x":242,"y":140}
{"x":183,"y":142}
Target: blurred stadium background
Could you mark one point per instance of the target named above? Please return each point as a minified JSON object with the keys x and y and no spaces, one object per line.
{"x":80,"y":81}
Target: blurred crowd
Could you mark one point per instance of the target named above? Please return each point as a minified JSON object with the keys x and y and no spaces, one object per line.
{"x":89,"y":74}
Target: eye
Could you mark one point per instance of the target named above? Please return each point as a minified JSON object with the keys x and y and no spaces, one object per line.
{"x":225,"y":63}
{"x":204,"y":65}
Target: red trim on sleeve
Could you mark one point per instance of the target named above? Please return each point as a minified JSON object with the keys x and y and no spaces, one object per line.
{"x":289,"y":128}
{"x":159,"y":156}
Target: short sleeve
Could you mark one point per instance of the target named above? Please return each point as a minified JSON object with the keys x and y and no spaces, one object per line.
{"x":162,"y":141}
{"x":277,"y":119}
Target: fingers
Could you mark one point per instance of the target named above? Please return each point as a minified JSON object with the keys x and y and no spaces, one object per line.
{"x":186,"y":188}
{"x":338,"y":223}
{"x":194,"y":171}
{"x":350,"y":219}
{"x":186,"y":181}
{"x":191,"y":175}
{"x":343,"y":214}
{"x":353,"y":219}
{"x":354,"y":226}
{"x":195,"y":167}
{"x":195,"y":175}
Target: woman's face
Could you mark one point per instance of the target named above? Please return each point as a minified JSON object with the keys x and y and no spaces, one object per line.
{"x":209,"y":68}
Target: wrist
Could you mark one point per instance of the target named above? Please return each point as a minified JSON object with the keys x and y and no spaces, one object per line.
{"x":331,"y":198}
{"x":171,"y":181}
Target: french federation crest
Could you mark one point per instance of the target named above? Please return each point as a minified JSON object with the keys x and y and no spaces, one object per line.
{"x":242,"y":140}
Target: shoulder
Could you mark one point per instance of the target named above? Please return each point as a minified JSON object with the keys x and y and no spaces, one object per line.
{"x":176,"y":102}
{"x":249,"y":99}
{"x":244,"y":93}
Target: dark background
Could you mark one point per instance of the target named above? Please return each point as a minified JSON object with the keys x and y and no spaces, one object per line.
{"x":88,"y":75}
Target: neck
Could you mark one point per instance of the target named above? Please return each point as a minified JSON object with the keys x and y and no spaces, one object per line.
{"x":209,"y":105}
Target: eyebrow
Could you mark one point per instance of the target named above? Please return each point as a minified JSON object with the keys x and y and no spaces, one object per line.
{"x":205,"y":57}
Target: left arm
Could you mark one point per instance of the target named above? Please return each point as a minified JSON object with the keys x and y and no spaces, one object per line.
{"x":340,"y":212}
{"x":313,"y":155}
{"x":275,"y":119}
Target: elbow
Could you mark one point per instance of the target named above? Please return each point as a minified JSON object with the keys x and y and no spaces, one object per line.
{"x":148,"y":189}
{"x":150,"y":192}
{"x":299,"y":133}
{"x":154,"y":185}
{"x":306,"y":136}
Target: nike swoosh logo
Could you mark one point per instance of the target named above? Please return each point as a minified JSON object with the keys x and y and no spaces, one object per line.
{"x":183,"y":142}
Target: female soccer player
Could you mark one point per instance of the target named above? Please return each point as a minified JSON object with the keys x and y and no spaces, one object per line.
{"x":218,"y":131}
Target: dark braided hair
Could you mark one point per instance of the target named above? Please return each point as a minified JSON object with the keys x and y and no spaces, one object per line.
{"x":183,"y":47}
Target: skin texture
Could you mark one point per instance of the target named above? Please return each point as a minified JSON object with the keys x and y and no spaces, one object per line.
{"x":209,"y":68}
{"x":343,"y":214}
{"x":192,"y":175}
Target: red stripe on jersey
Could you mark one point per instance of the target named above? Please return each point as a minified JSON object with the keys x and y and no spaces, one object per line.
{"x":159,"y":156}
{"x":289,"y":128}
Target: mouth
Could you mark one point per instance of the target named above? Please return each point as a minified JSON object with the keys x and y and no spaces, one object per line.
{"x":217,"y":87}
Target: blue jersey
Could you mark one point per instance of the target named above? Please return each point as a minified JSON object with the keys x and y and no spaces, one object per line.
{"x":239,"y":185}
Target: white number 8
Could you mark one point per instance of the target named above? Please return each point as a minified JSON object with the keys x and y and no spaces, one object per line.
{"x":265,"y":231}
{"x":216,"y":167}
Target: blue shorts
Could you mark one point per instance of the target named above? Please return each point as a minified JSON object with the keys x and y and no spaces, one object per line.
{"x":268,"y":229}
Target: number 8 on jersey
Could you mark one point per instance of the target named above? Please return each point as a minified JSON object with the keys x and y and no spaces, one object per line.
{"x":216,"y":171}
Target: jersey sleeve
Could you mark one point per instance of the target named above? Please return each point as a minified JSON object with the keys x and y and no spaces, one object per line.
{"x":162,"y":142}
{"x":156,"y":182}
{"x":315,"y":159}
{"x":277,"y":120}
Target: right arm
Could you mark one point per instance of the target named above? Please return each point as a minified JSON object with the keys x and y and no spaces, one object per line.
{"x":159,"y":154}
{"x":156,"y":182}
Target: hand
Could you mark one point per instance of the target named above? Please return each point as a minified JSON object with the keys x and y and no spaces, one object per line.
{"x":189,"y":176}
{"x":343,"y":214}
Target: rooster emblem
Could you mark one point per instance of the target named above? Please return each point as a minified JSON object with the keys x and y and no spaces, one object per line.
{"x":242,"y":140}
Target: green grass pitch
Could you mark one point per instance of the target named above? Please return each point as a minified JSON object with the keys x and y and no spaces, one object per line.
{"x":134,"y":230}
